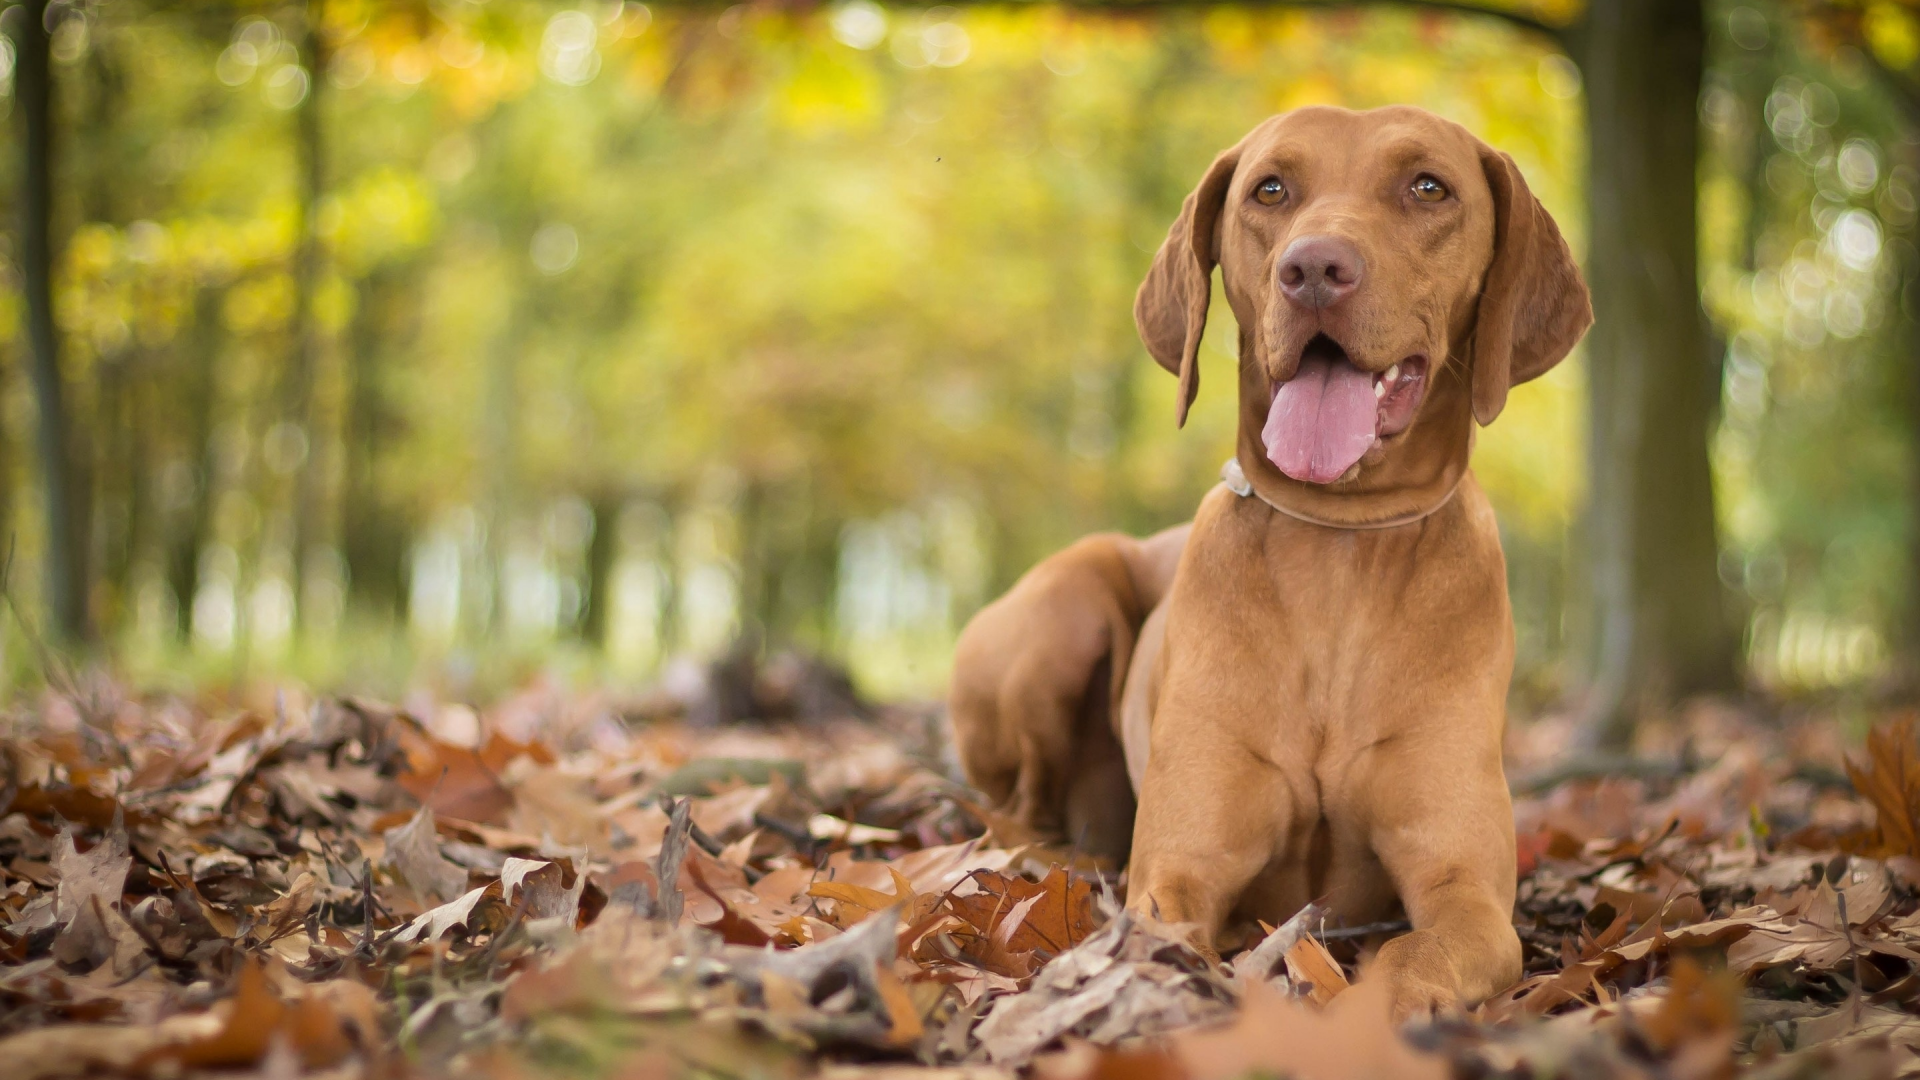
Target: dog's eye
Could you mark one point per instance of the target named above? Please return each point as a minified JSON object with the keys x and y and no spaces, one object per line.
{"x":1427,"y":189}
{"x":1271,"y":192}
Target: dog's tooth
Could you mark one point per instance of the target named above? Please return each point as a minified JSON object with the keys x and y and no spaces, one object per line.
{"x":1379,"y":389}
{"x":1393,"y":373}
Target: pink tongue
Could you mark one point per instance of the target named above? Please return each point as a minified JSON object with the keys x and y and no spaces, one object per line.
{"x":1322,"y":420}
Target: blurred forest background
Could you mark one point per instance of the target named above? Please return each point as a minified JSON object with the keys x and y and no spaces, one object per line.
{"x":458,"y":340}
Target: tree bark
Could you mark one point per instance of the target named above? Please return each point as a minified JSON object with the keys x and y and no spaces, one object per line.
{"x":485,"y":612}
{"x":602,"y":554}
{"x":1661,"y":623}
{"x":117,"y":463}
{"x":306,"y":269}
{"x":1905,"y":679}
{"x":191,"y":523}
{"x":109,"y":464}
{"x":65,"y":558}
{"x":373,"y":531}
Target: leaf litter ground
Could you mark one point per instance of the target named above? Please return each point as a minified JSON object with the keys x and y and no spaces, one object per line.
{"x":343,"y":888}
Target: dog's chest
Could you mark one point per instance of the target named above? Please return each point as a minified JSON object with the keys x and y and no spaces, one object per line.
{"x":1334,"y":632}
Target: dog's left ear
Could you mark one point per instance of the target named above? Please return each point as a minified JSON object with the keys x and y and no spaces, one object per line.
{"x":1534,"y":306}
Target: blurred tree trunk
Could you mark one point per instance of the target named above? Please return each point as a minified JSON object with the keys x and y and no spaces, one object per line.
{"x":373,"y":531}
{"x":9,"y":497}
{"x":302,"y":360}
{"x":757,"y":562}
{"x":603,"y":552}
{"x":1906,"y":647}
{"x":669,"y":626}
{"x":191,"y":522}
{"x":64,"y":491}
{"x":114,"y":413}
{"x":116,"y":467}
{"x":1661,"y":624}
{"x":787,"y":564}
{"x":500,"y":487}
{"x":809,"y":602}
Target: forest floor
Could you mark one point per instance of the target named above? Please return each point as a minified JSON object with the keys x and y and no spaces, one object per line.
{"x":345,"y":888}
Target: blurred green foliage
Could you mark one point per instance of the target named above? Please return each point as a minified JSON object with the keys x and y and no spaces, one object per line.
{"x":1808,"y":209}
{"x":638,"y":327}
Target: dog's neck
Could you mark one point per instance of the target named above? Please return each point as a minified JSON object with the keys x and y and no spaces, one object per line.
{"x":1416,"y":477}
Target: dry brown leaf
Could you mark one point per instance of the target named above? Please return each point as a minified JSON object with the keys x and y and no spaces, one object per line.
{"x":1312,"y":967}
{"x":904,"y":1017}
{"x":252,"y":1019}
{"x":1353,"y":1038}
{"x":1697,"y":1020}
{"x":1081,"y":1060}
{"x":432,"y":925}
{"x":452,"y":780}
{"x":288,"y":911}
{"x":100,"y":873}
{"x":1890,"y":780}
{"x":80,"y":805}
{"x":733,"y":928}
{"x":1058,"y":914}
{"x":514,"y":871}
{"x":500,"y":751}
{"x":414,"y":850}
{"x":730,"y":813}
{"x":92,"y":1049}
{"x":552,"y":803}
{"x":862,"y":900}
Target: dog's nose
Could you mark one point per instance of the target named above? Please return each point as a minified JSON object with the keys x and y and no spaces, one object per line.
{"x":1319,"y":271}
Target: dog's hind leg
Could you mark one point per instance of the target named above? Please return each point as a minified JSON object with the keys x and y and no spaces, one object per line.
{"x":1041,"y":704}
{"x":1036,"y":678}
{"x":1099,"y":804}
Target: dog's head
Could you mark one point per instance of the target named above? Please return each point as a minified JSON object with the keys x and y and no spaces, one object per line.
{"x":1363,"y":254}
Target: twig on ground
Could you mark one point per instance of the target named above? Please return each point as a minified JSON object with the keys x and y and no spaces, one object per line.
{"x":1598,"y":767}
{"x":499,"y":939}
{"x":707,"y":843}
{"x":1348,"y":933}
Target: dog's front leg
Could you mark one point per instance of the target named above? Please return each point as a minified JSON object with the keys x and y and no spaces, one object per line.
{"x":1443,"y":829}
{"x":1211,"y":817}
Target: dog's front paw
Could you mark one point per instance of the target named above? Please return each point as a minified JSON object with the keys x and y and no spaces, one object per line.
{"x":1194,"y":935}
{"x":1187,"y":905}
{"x":1420,"y":980}
{"x":1420,"y":1000}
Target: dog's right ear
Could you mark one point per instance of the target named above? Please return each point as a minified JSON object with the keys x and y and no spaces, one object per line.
{"x":1170,"y":310}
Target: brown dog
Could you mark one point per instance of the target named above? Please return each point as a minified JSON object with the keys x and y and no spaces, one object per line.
{"x":1315,"y":713}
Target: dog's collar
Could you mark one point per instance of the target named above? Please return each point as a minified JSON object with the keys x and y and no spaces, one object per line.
{"x":1236,"y":480}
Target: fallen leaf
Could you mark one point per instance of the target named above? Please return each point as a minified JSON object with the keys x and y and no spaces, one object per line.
{"x":98,"y":874}
{"x":451,"y":780}
{"x":414,"y":850}
{"x":1353,"y":1038}
{"x":433,"y":924}
{"x":84,"y":1049}
{"x":1313,"y":969}
{"x":1890,"y":780}
{"x":254,"y":1017}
